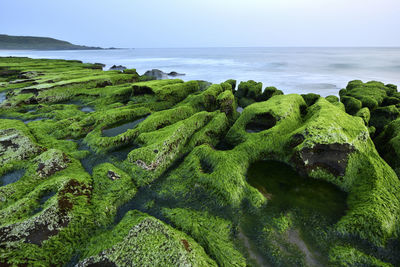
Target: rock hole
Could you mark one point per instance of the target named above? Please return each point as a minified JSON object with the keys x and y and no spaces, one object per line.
{"x":261,"y":122}
{"x":206,"y":167}
{"x":142,"y":90}
{"x":223,"y":145}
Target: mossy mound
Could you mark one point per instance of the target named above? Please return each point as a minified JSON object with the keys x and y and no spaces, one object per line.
{"x":140,"y":239}
{"x":109,"y":168}
{"x":388,"y":144}
{"x":380,"y":99}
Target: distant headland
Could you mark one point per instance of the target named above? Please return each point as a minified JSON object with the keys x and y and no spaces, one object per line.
{"x":8,"y":42}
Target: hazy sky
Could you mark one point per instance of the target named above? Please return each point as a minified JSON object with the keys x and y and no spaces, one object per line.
{"x":189,"y":23}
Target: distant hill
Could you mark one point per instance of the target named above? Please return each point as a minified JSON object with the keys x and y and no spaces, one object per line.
{"x":38,"y":43}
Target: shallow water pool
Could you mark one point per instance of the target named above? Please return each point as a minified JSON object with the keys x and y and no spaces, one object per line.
{"x":11,"y":177}
{"x":121,"y":128}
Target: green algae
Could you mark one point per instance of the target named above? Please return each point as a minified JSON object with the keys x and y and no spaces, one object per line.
{"x":184,"y":173}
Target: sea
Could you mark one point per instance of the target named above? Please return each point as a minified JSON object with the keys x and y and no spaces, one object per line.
{"x":291,"y":69}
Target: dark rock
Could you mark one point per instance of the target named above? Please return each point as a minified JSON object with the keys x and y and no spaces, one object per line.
{"x":157,"y":74}
{"x":174,"y":74}
{"x":30,"y":91}
{"x":333,"y":157}
{"x":119,"y":67}
{"x":113,"y":176}
{"x":31,"y":101}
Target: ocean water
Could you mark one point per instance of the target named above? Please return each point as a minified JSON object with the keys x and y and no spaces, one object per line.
{"x":294,"y":70}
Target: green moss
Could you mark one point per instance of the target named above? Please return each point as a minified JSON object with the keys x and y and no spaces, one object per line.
{"x":244,"y":102}
{"x":388,"y":144}
{"x":189,"y":155}
{"x":140,"y":239}
{"x":383,"y":116}
{"x":310,"y":98}
{"x":232,"y":83}
{"x":107,"y":195}
{"x":348,"y":256}
{"x":213,"y":233}
{"x":351,"y":104}
{"x":364,"y":114}
{"x":160,"y":148}
{"x":270,"y":92}
{"x":332,"y":99}
{"x":371,"y":94}
{"x":249,"y":89}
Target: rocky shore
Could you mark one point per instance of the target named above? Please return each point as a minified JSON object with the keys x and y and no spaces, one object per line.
{"x":113,"y":168}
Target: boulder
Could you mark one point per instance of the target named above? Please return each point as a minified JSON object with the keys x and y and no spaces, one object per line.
{"x":157,"y":74}
{"x":118,"y":67}
{"x":142,"y":240}
{"x":174,"y":74}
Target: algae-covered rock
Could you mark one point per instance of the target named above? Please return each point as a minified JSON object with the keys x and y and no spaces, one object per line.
{"x":388,"y":144}
{"x":51,"y":162}
{"x":351,"y":104}
{"x":140,"y":239}
{"x":14,"y":143}
{"x":269,"y":92}
{"x":382,"y":116}
{"x":380,"y":99}
{"x":248,"y":92}
{"x":310,"y":98}
{"x":365,"y":114}
{"x":332,"y":98}
{"x":181,"y":154}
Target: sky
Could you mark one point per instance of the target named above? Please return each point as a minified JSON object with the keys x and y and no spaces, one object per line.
{"x":206,"y":23}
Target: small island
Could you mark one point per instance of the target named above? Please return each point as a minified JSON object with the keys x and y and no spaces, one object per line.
{"x":113,"y":168}
{"x":8,"y":42}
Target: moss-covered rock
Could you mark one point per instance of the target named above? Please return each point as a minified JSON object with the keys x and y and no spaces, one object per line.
{"x":310,"y":98}
{"x":82,"y":150}
{"x":351,"y":104}
{"x":383,"y":116}
{"x":16,"y":142}
{"x":388,"y":144}
{"x":365,"y":114}
{"x":332,"y":98}
{"x":140,"y":239}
